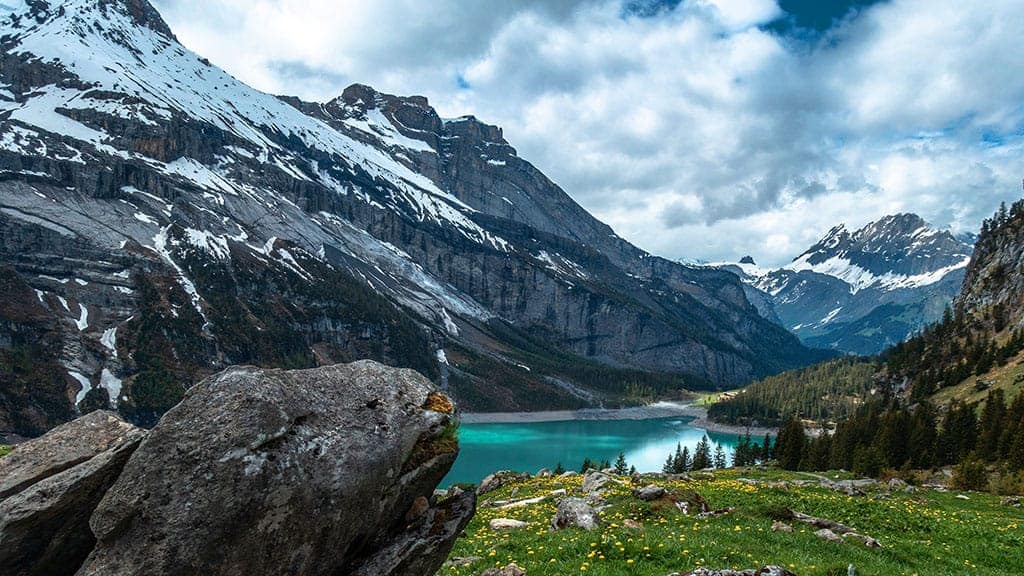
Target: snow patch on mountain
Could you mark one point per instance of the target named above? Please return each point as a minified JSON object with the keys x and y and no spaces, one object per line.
{"x":112,"y":384}
{"x":83,"y":382}
{"x":376,"y":123}
{"x":859,"y":279}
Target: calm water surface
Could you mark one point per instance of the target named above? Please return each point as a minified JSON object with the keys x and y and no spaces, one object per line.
{"x":528,"y":447}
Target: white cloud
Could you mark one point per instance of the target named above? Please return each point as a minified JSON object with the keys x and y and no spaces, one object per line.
{"x":740,"y":14}
{"x":694,"y":133}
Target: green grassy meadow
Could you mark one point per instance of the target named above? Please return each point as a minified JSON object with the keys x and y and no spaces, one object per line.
{"x":926,"y":533}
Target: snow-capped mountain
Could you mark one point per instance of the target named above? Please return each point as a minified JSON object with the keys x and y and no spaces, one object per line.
{"x":866,"y":290}
{"x":160,"y":219}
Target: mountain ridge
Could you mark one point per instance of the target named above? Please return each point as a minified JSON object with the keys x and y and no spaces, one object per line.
{"x":865,"y":290}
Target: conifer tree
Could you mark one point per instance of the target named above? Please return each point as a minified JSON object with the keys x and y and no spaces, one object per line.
{"x":702,"y":454}
{"x":719,"y":457}
{"x":790,"y":445}
{"x":620,"y":464}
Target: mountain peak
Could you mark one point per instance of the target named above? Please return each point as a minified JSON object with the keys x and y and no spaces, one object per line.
{"x":368,"y":97}
{"x":142,"y":13}
{"x":95,"y":14}
{"x":896,"y":250}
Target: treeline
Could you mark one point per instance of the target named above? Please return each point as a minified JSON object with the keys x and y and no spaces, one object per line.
{"x":888,"y":436}
{"x":747,"y":453}
{"x":827,"y":391}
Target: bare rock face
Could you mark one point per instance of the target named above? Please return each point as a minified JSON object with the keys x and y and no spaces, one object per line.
{"x":49,"y":488}
{"x":288,"y":472}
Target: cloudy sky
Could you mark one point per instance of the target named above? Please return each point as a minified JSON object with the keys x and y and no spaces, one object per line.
{"x":701,"y":129}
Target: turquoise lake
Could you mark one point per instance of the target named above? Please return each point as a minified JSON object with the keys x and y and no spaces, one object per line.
{"x":528,"y":447}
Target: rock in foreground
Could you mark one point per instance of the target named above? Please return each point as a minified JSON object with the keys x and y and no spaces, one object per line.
{"x":50,"y":486}
{"x":309,"y":472}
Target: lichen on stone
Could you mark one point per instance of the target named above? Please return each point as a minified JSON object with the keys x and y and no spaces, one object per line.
{"x":437,"y":402}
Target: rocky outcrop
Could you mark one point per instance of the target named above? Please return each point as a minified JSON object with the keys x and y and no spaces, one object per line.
{"x":334,"y":466}
{"x":49,"y":488}
{"x":993,"y":290}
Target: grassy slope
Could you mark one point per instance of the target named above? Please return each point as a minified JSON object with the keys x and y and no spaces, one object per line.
{"x":926,"y":533}
{"x":1010,"y":378}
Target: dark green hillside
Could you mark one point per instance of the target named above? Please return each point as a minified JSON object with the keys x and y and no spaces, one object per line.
{"x":831,"y":390}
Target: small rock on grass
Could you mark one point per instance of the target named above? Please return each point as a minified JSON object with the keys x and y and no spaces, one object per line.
{"x":765,"y":571}
{"x":826,"y":534}
{"x":510,"y":570}
{"x":595,"y":482}
{"x":649,"y":493}
{"x":506,"y":524}
{"x":868,"y":540}
{"x":463,"y":560}
{"x":781,"y":527}
{"x":498,"y":479}
{"x":575,"y":512}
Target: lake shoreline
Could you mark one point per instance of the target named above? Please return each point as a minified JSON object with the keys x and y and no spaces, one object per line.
{"x":647,"y":412}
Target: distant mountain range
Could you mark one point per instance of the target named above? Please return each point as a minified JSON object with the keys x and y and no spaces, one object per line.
{"x":160,"y":220}
{"x":863,"y":291}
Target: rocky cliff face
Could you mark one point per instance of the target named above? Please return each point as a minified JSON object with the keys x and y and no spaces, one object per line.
{"x":993,"y":289}
{"x":866,"y":290}
{"x":256,"y":472}
{"x":169,"y":221}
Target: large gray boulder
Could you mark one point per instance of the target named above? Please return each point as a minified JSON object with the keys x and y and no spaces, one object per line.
{"x":307,"y":472}
{"x":50,"y":486}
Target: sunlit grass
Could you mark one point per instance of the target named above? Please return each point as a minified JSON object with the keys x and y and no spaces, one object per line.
{"x":925,"y":533}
